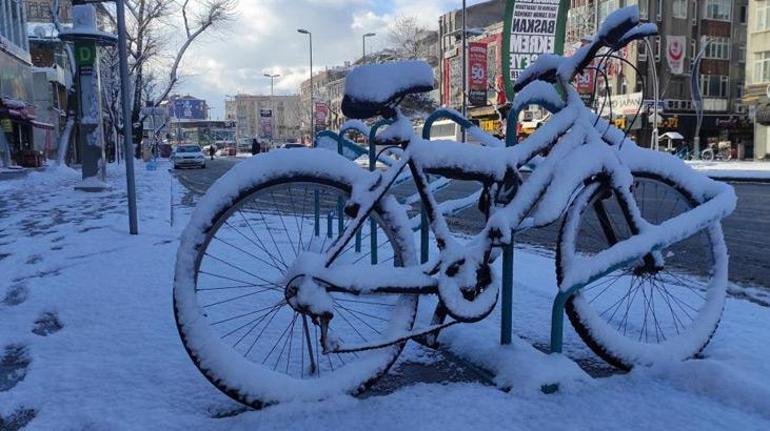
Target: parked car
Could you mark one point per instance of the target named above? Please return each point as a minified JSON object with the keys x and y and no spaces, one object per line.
{"x":188,"y":156}
{"x":290,"y":145}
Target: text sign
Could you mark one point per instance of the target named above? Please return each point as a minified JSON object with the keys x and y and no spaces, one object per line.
{"x":531,"y":28}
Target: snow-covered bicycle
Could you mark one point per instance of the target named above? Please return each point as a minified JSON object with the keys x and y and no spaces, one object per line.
{"x":276,"y":297}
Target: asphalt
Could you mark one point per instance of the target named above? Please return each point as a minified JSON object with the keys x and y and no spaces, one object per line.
{"x":746,"y":231}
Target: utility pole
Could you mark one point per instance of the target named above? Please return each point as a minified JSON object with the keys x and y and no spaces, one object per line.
{"x":465,"y":70}
{"x":312,"y":107}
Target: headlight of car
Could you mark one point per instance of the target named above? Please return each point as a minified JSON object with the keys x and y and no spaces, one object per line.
{"x":199,"y":157}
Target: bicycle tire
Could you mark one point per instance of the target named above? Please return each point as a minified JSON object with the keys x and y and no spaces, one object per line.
{"x":240,"y":376}
{"x":598,"y":331}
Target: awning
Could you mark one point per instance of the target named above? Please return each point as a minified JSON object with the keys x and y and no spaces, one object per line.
{"x":41,"y":125}
{"x":671,"y":135}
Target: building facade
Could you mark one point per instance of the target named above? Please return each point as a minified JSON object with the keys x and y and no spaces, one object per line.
{"x":17,"y":110}
{"x":275,"y":118}
{"x":757,"y":94}
{"x":685,"y":28}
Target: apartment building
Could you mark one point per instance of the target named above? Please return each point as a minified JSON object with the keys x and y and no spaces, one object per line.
{"x":757,"y":94}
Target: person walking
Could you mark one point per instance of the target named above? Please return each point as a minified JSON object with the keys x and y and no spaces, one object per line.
{"x":255,"y":147}
{"x":212,"y":150}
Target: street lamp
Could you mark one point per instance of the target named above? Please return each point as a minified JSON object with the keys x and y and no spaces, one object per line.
{"x":310,"y":35}
{"x":272,"y":80}
{"x":363,"y":40}
{"x":272,"y":103}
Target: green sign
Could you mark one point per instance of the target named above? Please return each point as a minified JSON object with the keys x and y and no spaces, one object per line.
{"x":531,"y":28}
{"x":85,"y":53}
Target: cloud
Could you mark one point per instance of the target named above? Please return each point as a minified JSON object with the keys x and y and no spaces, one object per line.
{"x":263,"y":38}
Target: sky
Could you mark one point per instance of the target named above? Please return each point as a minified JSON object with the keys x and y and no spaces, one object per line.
{"x":263,"y":39}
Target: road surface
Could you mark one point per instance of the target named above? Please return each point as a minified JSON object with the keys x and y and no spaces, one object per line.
{"x":746,"y":231}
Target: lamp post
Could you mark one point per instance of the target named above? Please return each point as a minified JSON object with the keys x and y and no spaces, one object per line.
{"x":272,"y":77}
{"x":272,"y":80}
{"x":363,"y":40}
{"x":310,"y":35}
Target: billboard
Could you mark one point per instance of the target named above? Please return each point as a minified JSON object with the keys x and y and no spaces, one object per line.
{"x":266,"y":123}
{"x":189,"y":109}
{"x":531,"y":28}
{"x":477,"y":73}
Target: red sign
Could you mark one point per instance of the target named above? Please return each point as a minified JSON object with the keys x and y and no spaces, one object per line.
{"x":321,"y":116}
{"x":477,"y":73}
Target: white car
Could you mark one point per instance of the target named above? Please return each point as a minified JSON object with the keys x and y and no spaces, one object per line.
{"x":185,"y":156}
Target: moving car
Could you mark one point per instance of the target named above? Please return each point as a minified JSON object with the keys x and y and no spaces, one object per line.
{"x":188,"y":156}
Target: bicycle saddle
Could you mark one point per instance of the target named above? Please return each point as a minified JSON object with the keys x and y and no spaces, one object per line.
{"x":376,"y":89}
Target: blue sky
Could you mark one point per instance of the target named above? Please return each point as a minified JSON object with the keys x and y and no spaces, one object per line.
{"x":263,"y":39}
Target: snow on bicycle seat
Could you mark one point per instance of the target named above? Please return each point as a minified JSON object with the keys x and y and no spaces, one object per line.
{"x":374,"y":89}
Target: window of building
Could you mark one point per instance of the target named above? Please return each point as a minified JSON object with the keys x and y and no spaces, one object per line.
{"x":719,"y":10}
{"x":656,"y":48}
{"x":718,"y":48}
{"x":659,"y":10}
{"x":694,"y":13}
{"x":606,"y":7}
{"x":762,"y":67}
{"x":644,"y":9}
{"x":742,"y":54}
{"x":714,"y":85}
{"x":743,"y":14}
{"x":763,"y":16}
{"x":680,"y":9}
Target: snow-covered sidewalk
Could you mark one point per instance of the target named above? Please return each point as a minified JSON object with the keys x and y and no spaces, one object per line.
{"x":88,"y":339}
{"x":734,"y":170}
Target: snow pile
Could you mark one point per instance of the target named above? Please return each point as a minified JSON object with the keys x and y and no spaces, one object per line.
{"x":377,"y":83}
{"x":117,"y":362}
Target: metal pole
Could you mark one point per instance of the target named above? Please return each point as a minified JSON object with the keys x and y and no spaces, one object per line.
{"x":363,"y":49}
{"x":312,"y":108}
{"x":122,"y":54}
{"x":465,"y":71}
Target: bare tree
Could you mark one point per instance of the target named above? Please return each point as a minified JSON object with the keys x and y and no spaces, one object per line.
{"x":149,"y":43}
{"x":405,"y":36}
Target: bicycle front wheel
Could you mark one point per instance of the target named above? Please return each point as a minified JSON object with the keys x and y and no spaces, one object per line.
{"x":229,"y":296}
{"x":653,"y":309}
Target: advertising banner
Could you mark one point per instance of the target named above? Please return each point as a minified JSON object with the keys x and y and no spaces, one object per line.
{"x":189,"y":109}
{"x":675,"y":49}
{"x":477,"y":73}
{"x":266,"y":123}
{"x":531,"y":28}
{"x":321,"y":119}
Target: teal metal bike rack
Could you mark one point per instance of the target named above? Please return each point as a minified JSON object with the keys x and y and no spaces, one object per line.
{"x":372,"y":166}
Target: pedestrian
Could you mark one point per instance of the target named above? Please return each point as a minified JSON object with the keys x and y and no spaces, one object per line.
{"x":255,"y":147}
{"x":212,"y":150}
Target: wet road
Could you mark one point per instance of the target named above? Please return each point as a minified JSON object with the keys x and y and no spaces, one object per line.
{"x":747,"y":230}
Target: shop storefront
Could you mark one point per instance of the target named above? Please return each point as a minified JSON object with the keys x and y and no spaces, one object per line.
{"x":17,"y":112}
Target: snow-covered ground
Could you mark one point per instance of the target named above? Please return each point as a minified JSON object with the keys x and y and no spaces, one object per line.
{"x":759,"y":170}
{"x":86,"y":325}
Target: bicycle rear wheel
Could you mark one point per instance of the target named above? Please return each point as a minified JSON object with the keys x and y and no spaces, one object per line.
{"x":644,"y":312}
{"x":229,"y":297}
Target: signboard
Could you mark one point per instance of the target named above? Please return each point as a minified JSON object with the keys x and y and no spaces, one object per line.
{"x":266,"y":123}
{"x":321,"y":116}
{"x":675,"y":49}
{"x":477,"y":73}
{"x":189,"y":109}
{"x":625,"y":104}
{"x":531,"y":28}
